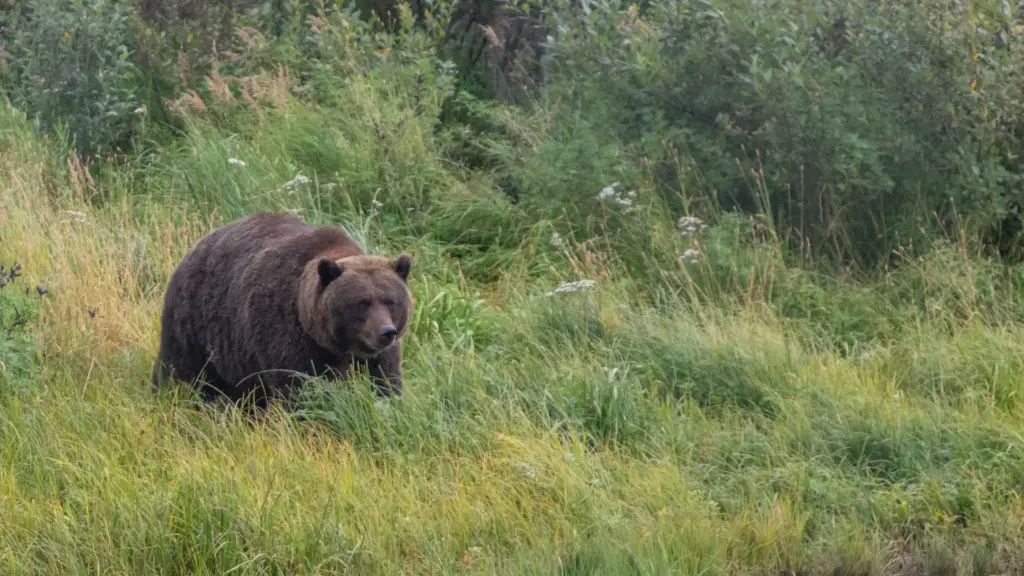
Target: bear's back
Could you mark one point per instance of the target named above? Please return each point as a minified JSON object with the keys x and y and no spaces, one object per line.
{"x":225,"y":256}
{"x":296,"y":241}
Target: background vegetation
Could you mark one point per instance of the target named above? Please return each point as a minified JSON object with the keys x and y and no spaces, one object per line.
{"x":702,"y":286}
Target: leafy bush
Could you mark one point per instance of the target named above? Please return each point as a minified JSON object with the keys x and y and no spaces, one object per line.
{"x":17,"y":310}
{"x":70,"y":66}
{"x":852,"y":124}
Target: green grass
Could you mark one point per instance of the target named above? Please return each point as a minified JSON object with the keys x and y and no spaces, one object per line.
{"x":732,"y":416}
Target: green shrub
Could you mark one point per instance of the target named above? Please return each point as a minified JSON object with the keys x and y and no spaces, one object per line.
{"x":854,"y":125}
{"x":70,"y":66}
{"x":18,"y":305}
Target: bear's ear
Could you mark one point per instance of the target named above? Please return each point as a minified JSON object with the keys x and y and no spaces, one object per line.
{"x":402,"y":265}
{"x":329,"y":270}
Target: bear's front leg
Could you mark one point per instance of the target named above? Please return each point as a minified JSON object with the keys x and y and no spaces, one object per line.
{"x":386,"y":370}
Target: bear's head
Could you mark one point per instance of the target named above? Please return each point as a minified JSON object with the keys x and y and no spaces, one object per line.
{"x":359,"y":305}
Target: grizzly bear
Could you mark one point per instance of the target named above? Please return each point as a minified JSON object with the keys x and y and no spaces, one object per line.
{"x":266,"y":299}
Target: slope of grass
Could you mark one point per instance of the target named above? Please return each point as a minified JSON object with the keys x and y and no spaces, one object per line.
{"x":731,"y":417}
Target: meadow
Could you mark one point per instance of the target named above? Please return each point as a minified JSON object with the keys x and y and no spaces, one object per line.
{"x":625,"y":357}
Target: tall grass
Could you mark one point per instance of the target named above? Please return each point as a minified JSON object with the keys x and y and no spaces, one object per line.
{"x":705,"y":418}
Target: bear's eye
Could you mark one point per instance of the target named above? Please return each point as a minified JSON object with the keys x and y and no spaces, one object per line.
{"x":363,"y":305}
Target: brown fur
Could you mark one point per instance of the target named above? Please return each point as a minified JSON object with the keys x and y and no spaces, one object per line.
{"x":267,"y":297}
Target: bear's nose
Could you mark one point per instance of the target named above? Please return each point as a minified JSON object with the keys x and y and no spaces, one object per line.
{"x":387,"y":335}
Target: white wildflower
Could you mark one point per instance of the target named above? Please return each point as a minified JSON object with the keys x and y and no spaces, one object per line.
{"x":596,"y":483}
{"x":690,"y":256}
{"x":292,"y":211}
{"x":608,"y":191}
{"x":76,"y":216}
{"x":690,"y":224}
{"x":557,"y":241}
{"x":569,"y":456}
{"x":611,"y":192}
{"x":236,"y":162}
{"x":572,"y":287}
{"x":376,"y":204}
{"x":294,"y":183}
{"x":141,"y":110}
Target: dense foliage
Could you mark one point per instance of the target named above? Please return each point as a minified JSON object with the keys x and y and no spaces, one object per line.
{"x":860,"y":127}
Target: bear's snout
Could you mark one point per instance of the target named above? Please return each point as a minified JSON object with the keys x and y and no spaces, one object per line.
{"x":387,"y":336}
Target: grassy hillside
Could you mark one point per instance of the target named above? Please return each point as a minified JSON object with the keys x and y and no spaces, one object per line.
{"x":719,"y":398}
